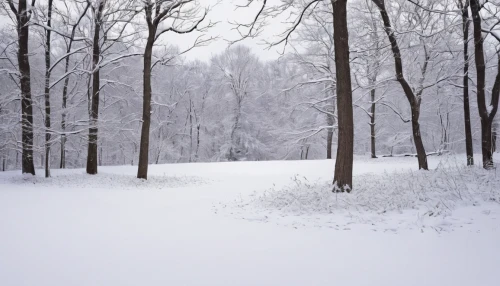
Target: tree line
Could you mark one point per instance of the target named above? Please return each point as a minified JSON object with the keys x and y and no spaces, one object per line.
{"x":353,"y":77}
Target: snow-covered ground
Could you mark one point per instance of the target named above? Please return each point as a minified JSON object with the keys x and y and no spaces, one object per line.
{"x":253,"y":223}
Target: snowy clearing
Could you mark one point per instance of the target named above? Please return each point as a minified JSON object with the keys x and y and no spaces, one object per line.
{"x":253,"y":223}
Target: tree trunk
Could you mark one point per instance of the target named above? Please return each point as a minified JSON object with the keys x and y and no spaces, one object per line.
{"x":23,"y":17}
{"x":62,"y":164}
{"x":486,"y":145}
{"x":92,"y":158}
{"x":234,"y":140}
{"x":412,"y":99}
{"x":469,"y":147}
{"x":330,"y":121}
{"x":329,"y":140}
{"x":344,"y":163}
{"x":486,"y":116}
{"x":417,"y":138}
{"x":190,"y":131}
{"x":47,"y":92}
{"x":372,"y":124}
{"x":142,"y":172}
{"x":196,"y":155}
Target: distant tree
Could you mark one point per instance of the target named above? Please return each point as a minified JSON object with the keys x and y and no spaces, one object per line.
{"x":237,"y":68}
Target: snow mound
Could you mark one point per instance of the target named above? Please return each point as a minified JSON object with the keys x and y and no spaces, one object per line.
{"x":406,"y":197}
{"x":109,"y":181}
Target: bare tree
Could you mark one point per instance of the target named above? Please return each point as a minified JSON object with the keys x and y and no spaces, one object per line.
{"x":469,"y":148}
{"x":22,"y":16}
{"x":414,"y":99}
{"x":186,"y":19}
{"x":69,"y":45}
{"x":237,"y":67}
{"x":47,"y":89}
{"x":487,"y":114}
{"x":94,"y":111}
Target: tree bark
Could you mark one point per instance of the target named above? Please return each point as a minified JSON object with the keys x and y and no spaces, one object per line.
{"x":412,"y":99}
{"x":372,"y":75}
{"x":486,"y":116}
{"x":469,"y":147}
{"x":22,"y":18}
{"x":142,"y":172}
{"x":47,"y":91}
{"x":372,"y":124}
{"x":329,"y":139}
{"x":330,"y":121}
{"x":344,"y":163}
{"x":92,"y":158}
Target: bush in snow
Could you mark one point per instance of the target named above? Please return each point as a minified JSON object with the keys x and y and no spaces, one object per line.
{"x":432,"y":193}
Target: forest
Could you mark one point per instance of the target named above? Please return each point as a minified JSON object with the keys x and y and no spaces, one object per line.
{"x":414,"y":78}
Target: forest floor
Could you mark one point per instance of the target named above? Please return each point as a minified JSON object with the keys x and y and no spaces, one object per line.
{"x":253,"y":223}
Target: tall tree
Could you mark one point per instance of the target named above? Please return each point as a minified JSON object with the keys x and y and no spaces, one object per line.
{"x":414,"y":99}
{"x":469,"y":148}
{"x":487,"y":114}
{"x":23,"y":15}
{"x":47,"y":89}
{"x":183,"y":12}
{"x":344,"y":163}
{"x":94,"y":110}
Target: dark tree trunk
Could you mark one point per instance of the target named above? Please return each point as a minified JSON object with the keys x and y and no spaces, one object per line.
{"x":142,"y":172}
{"x":419,"y":145}
{"x":47,"y":92}
{"x":344,"y":163}
{"x":22,"y":17}
{"x":62,"y":164}
{"x":330,"y":118}
{"x":329,"y":141}
{"x":92,"y":158}
{"x":372,"y":124}
{"x":412,"y":99}
{"x":486,"y":116}
{"x":196,"y":156}
{"x":469,"y":147}
{"x":373,"y":74}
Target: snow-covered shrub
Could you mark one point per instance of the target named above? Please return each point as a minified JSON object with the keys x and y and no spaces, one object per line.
{"x":432,"y":193}
{"x":109,"y":181}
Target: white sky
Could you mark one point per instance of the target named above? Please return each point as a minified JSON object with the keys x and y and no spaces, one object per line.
{"x":223,"y":13}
